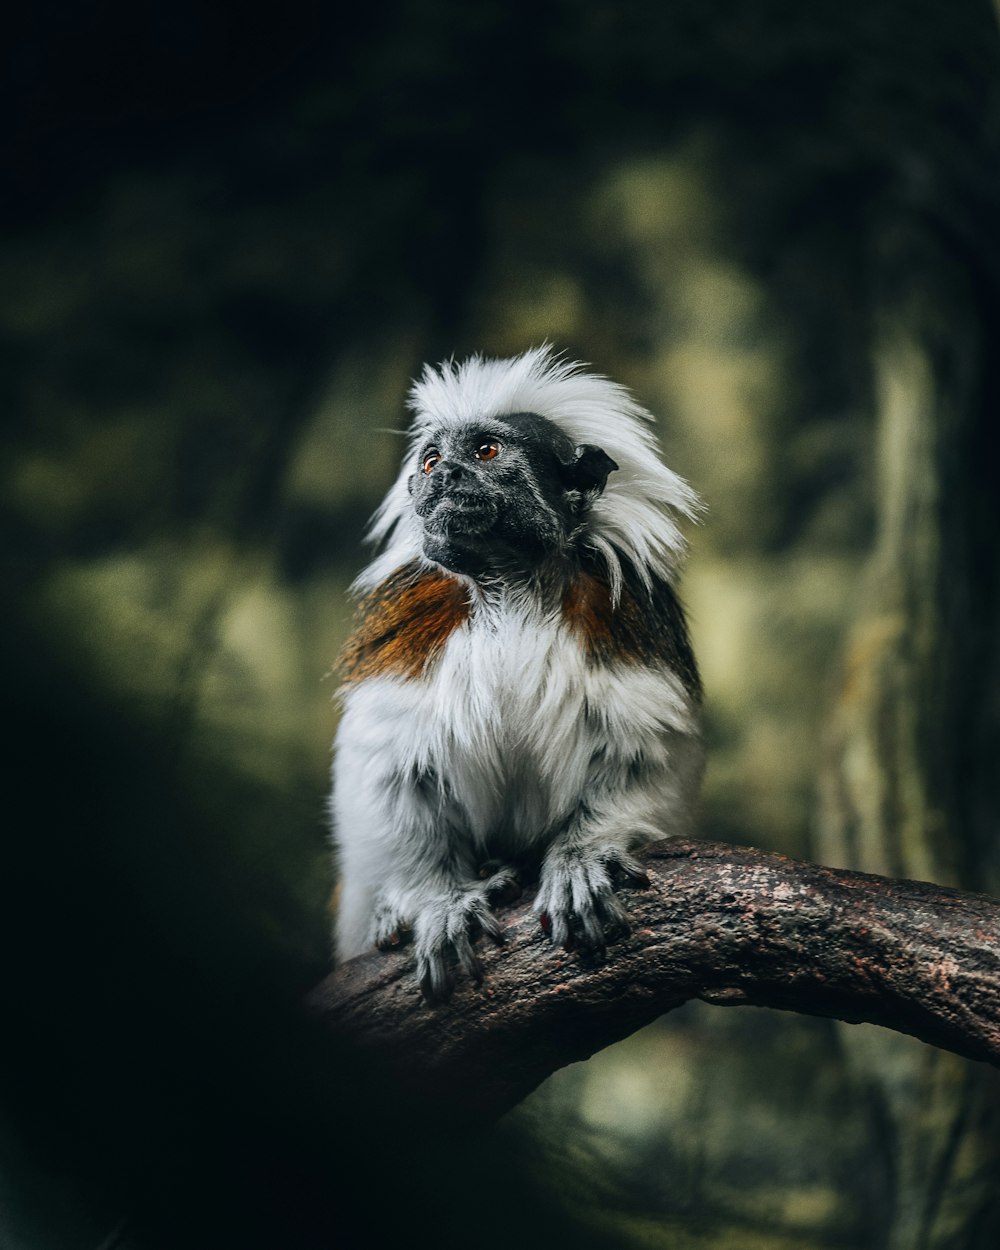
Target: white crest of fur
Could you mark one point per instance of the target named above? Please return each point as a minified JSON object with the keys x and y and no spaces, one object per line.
{"x":633,"y":520}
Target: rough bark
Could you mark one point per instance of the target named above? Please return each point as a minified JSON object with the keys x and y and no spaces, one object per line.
{"x":729,"y":925}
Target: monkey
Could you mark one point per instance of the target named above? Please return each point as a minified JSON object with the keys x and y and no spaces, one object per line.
{"x":519,"y":694}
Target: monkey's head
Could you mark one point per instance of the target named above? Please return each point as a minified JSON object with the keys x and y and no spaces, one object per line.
{"x":502,"y":493}
{"x":511,"y":462}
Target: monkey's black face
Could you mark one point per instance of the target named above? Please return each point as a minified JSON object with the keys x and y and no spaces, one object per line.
{"x":503,"y":494}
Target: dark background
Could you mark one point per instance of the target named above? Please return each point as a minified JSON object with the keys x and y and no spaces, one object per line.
{"x":229,"y":239}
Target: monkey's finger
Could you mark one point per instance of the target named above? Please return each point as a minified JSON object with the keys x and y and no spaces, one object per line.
{"x":588,"y":883}
{"x":504,"y":886}
{"x":554,"y":907}
{"x":481,"y":919}
{"x":625,"y":870}
{"x":593,"y":930}
{"x":554,"y":920}
{"x":434,"y":977}
{"x":493,"y":929}
{"x":614,"y":914}
{"x":468,"y":959}
{"x":562,"y":932}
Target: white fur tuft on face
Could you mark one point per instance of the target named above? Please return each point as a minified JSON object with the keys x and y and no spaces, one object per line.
{"x":631,"y":523}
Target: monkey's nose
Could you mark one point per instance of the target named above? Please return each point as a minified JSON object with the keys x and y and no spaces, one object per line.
{"x":454,"y":472}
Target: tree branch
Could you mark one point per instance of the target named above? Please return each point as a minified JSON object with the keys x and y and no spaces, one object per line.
{"x":729,"y":925}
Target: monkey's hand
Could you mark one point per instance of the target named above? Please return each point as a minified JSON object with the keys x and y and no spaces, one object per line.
{"x":576,"y":898}
{"x":444,"y":928}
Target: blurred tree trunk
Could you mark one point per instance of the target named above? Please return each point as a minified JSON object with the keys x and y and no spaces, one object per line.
{"x":910,"y":783}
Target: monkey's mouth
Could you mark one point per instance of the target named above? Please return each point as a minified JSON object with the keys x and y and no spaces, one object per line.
{"x":458,"y":514}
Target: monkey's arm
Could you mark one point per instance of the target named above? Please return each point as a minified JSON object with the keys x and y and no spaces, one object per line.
{"x":418,"y":885}
{"x":624,"y":807}
{"x":404,"y":866}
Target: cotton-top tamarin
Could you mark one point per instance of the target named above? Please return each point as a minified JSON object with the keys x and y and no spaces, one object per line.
{"x":519,"y":689}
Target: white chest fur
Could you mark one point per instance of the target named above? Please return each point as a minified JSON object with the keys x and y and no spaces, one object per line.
{"x":509,"y":726}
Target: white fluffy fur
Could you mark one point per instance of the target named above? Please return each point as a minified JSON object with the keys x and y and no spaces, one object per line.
{"x":633,"y":518}
{"x":513,"y":738}
{"x":515,"y":720}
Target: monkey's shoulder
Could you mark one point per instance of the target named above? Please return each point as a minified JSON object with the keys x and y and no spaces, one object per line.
{"x":646,"y":625}
{"x":403,"y":623}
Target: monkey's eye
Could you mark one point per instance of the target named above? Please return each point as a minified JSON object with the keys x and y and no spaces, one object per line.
{"x":488,"y":451}
{"x":430,"y":459}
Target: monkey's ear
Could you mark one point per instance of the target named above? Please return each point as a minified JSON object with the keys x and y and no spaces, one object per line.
{"x":588,"y":471}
